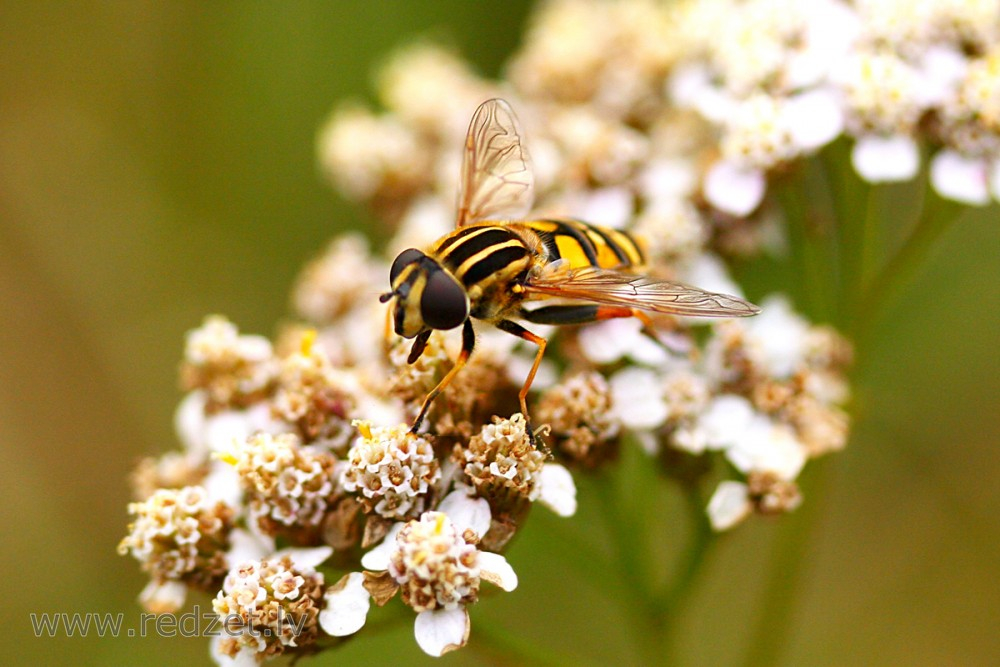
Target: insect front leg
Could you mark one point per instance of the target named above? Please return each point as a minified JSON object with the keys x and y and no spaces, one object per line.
{"x":468,"y":344}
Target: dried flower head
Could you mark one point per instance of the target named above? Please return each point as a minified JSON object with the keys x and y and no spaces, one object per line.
{"x":579,"y":414}
{"x":289,"y":487}
{"x":269,"y":607}
{"x":509,"y":471}
{"x":391,"y":471}
{"x":319,"y":399}
{"x":172,"y":470}
{"x":338,"y":280}
{"x":178,"y":535}
{"x":233,"y":370}
{"x":502,"y":463}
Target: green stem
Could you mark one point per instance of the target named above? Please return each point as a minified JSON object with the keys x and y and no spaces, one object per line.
{"x":629,"y":547}
{"x":692,"y":563}
{"x":774,"y":613}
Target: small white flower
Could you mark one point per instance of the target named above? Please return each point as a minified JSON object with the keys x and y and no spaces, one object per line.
{"x":961,"y":178}
{"x":345,"y":607}
{"x":439,"y":571}
{"x":637,"y":398}
{"x":879,"y":159}
{"x":734,"y":188}
{"x":779,"y":336}
{"x":607,"y":342}
{"x":729,"y":505}
{"x":767,"y":446}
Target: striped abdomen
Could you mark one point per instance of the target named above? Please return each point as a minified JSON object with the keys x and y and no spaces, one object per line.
{"x":582,"y":244}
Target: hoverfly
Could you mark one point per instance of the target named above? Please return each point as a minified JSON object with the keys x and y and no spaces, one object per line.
{"x":496,"y":261}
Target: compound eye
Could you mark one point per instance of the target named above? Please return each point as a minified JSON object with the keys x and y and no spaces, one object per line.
{"x":443,"y":304}
{"x":403,"y":260}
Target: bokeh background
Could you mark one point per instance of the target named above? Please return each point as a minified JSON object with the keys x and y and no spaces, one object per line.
{"x":157,"y":164}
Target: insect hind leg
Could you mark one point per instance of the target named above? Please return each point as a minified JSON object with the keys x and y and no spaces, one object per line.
{"x":585,"y":314}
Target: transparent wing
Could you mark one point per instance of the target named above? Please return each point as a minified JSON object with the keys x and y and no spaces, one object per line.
{"x":642,"y":292}
{"x":496,"y":179}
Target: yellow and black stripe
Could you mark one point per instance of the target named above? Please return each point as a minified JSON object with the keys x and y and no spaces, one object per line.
{"x":486,"y":252}
{"x":582,"y":244}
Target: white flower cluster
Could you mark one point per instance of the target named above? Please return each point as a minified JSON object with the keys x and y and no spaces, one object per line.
{"x":666,"y":120}
{"x":779,"y":79}
{"x":180,"y":537}
{"x":392,"y":470}
{"x":287,"y":484}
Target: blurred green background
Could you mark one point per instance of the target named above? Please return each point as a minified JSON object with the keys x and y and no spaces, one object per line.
{"x":157,"y":164}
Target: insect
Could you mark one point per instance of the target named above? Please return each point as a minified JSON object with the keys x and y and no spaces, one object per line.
{"x":496,"y":262}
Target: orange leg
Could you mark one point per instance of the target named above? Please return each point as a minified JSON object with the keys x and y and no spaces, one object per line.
{"x":519,"y":331}
{"x":468,"y":343}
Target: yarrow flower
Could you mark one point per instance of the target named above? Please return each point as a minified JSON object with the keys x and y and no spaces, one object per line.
{"x":180,"y":538}
{"x":681,"y":124}
{"x":289,"y":487}
{"x":391,"y":471}
{"x":278,"y":605}
{"x":436,"y":564}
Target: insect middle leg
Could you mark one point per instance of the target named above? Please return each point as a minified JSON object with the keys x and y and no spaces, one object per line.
{"x":468,"y":344}
{"x":519,"y":331}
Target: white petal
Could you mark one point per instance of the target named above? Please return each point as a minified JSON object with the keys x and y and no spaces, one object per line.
{"x":885,"y":159}
{"x":780,"y":335}
{"x":378,"y":557}
{"x":466,"y":511}
{"x":606,"y":342}
{"x":648,"y":352}
{"x":725,"y":420}
{"x":734,"y":188}
{"x":495,"y":569}
{"x":766,"y":446}
{"x":245,"y":657}
{"x":306,"y":557}
{"x":346,"y":607}
{"x":960,"y":178}
{"x":441,"y":630}
{"x":165,"y":598}
{"x":223,"y":484}
{"x":729,"y":505}
{"x":245,"y":545}
{"x":815,"y":118}
{"x":637,"y":398}
{"x":556,"y":489}
{"x":189,"y":422}
{"x":941,"y":70}
{"x":613,"y":207}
